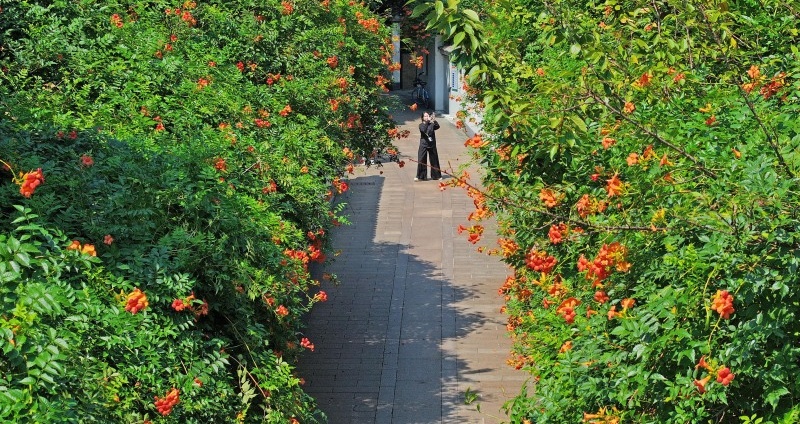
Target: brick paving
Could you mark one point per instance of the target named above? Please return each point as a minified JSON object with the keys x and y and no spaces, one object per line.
{"x":414,"y":321}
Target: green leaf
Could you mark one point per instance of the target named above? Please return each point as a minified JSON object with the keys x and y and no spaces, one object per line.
{"x":420,"y":9}
{"x":23,"y":258}
{"x":27,"y":381}
{"x":46,"y":377}
{"x":774,"y":396}
{"x":575,"y":49}
{"x":578,"y":122}
{"x":458,"y":38}
{"x":471,"y":15}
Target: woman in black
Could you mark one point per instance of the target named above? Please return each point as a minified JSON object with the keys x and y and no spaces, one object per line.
{"x":427,"y":147}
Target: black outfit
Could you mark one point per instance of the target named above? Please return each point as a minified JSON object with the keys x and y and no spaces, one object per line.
{"x":427,"y":147}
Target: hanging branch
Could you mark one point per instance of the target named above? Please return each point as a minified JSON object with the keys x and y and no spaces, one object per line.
{"x":653,"y":134}
{"x":556,"y":217}
{"x":770,"y":138}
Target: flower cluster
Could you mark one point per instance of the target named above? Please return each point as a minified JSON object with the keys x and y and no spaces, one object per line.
{"x":86,"y":249}
{"x":508,"y":247}
{"x":307,"y":344}
{"x":722,"y":303}
{"x":282,"y":311}
{"x":647,"y":154}
{"x":30,"y":181}
{"x":724,"y":375}
{"x":588,"y":205}
{"x":137,"y":301}
{"x":220,"y":165}
{"x":164,"y":405}
{"x":611,"y":257}
{"x":181,"y":304}
{"x":86,"y":161}
{"x":757,"y":79}
{"x":607,"y":142}
{"x":549,"y":197}
{"x":340,"y":186}
{"x":159,"y":125}
{"x":479,"y":200}
{"x":510,"y":285}
{"x":187,"y":303}
{"x":567,"y":309}
{"x":625,"y":303}
{"x":271,"y":188}
{"x":187,"y":17}
{"x":601,"y":297}
{"x":557,"y":233}
{"x":315,"y":254}
{"x":299,"y":255}
{"x":603,"y":416}
{"x":628,"y":108}
{"x":474,"y":232}
{"x":614,"y":187}
{"x":333,"y":61}
{"x":116,"y":20}
{"x":381,"y":81}
{"x":476,"y":142}
{"x":287,"y":7}
{"x":539,"y":260}
{"x":371,"y":25}
{"x":321,"y":296}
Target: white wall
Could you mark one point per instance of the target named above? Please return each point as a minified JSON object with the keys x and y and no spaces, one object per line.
{"x":439,"y":90}
{"x":454,"y":80}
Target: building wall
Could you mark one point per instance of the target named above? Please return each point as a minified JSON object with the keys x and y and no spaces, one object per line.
{"x":439,"y":87}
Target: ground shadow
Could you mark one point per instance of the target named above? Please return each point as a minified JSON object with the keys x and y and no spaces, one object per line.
{"x":379,"y":338}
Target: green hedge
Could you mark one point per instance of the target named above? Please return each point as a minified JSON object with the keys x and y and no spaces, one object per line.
{"x":193,"y":148}
{"x":642,"y":158}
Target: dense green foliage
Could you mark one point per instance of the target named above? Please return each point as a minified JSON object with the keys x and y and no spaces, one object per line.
{"x":643,"y":159}
{"x":188,"y":153}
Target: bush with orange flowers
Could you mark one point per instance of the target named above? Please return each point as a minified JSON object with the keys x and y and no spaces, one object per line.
{"x":670,"y":151}
{"x":184,"y":155}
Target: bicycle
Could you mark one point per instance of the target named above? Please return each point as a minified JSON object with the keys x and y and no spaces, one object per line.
{"x":420,"y":94}
{"x":379,"y":156}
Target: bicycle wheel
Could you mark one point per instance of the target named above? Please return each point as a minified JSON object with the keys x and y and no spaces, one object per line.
{"x":417,"y":96}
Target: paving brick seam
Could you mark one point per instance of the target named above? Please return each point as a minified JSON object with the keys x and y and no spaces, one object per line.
{"x":418,"y":295}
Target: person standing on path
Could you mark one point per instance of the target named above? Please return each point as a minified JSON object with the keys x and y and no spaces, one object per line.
{"x":427,"y":148}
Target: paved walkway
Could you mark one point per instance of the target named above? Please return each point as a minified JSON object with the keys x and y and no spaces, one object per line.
{"x":414,"y":322}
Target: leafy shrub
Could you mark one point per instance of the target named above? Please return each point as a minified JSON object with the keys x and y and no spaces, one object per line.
{"x":643,"y":159}
{"x":193,"y":148}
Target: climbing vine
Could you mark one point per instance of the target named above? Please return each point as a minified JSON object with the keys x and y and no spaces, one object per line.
{"x":642,"y":159}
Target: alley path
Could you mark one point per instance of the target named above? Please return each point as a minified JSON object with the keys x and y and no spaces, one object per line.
{"x":415,"y":321}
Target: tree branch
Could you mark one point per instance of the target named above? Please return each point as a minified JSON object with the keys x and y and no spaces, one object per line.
{"x":763,"y":126}
{"x":653,"y":133}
